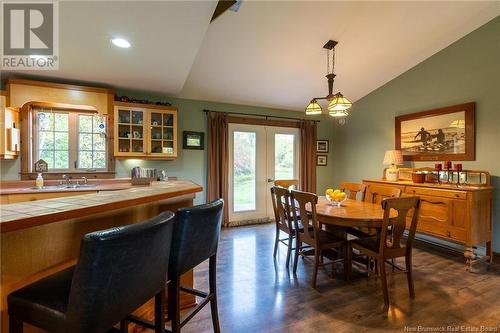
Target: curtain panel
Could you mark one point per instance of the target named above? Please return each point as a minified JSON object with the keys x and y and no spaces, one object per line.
{"x":217,"y":177}
{"x":308,"y":155}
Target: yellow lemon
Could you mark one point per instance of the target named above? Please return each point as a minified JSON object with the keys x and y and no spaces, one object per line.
{"x":342,"y":195}
{"x":329,"y":191}
{"x":337,"y":191}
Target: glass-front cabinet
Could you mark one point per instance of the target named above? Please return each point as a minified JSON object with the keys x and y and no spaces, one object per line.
{"x":145,"y":131}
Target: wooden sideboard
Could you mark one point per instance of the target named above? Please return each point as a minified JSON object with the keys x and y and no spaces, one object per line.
{"x":459,"y":214}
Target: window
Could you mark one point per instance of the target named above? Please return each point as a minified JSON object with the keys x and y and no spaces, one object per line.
{"x":69,"y":140}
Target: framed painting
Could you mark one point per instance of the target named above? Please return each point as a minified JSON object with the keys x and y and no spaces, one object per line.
{"x":321,"y":160}
{"x":322,"y":146}
{"x":445,"y":134}
{"x":193,"y":140}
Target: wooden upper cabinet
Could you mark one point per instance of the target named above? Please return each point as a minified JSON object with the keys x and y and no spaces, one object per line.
{"x":145,"y":131}
{"x":9,"y":130}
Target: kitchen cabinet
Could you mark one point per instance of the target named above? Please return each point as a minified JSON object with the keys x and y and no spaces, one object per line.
{"x":9,"y":130}
{"x":145,"y":131}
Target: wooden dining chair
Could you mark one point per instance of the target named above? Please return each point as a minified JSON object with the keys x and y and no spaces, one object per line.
{"x":353,"y":189}
{"x":387,"y":246}
{"x":283,"y":220}
{"x":286,"y":183}
{"x":304,"y":209}
{"x":376,"y":193}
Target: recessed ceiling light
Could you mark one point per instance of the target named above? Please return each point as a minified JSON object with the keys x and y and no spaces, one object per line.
{"x":120,"y":42}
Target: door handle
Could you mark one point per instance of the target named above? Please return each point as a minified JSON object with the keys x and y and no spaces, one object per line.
{"x":269,"y":180}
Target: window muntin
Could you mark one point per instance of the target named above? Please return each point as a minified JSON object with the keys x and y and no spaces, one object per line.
{"x":69,"y":140}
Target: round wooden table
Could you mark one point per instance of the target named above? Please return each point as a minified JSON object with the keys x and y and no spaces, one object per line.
{"x":352,"y":213}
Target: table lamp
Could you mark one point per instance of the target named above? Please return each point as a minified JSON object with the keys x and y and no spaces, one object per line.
{"x":393,"y":157}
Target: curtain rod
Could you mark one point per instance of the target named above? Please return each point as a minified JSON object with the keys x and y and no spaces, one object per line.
{"x":259,"y":115}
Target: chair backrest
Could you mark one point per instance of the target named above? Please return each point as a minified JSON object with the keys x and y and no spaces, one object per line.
{"x":304,"y":210}
{"x":286,"y":183}
{"x":118,"y":270}
{"x":354,"y":189}
{"x":195,"y":237}
{"x":376,"y":193}
{"x":281,"y":205}
{"x":407,"y":208}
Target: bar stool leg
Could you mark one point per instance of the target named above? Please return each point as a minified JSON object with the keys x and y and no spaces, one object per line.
{"x":173,"y":304}
{"x":160,"y":312}
{"x":212,"y":278}
{"x":124,"y":326}
{"x":15,"y":325}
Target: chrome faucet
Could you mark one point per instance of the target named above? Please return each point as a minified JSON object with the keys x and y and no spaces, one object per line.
{"x":66,"y":180}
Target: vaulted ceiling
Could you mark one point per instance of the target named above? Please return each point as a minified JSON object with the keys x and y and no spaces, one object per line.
{"x":268,"y":54}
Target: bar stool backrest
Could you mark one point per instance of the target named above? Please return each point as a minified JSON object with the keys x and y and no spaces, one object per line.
{"x":117,"y":271}
{"x":195,"y":236}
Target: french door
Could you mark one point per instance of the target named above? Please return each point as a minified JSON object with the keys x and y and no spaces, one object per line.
{"x":258,"y":155}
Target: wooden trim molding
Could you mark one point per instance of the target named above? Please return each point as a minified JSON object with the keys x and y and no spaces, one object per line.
{"x":263,"y":122}
{"x":58,"y":86}
{"x":145,"y":106}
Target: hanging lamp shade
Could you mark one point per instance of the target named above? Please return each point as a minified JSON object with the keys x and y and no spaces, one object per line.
{"x":339,"y":106}
{"x":313,"y":108}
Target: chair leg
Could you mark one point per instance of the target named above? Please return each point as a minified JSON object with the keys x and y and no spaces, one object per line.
{"x":124,"y":326}
{"x":276,"y":241}
{"x":15,"y":325}
{"x":347,"y":261}
{"x":289,"y":250}
{"x":383,"y":279}
{"x":409,"y":275}
{"x":160,"y":312}
{"x":212,"y":280}
{"x":173,"y":304}
{"x":298,"y":246}
{"x":317,"y":255}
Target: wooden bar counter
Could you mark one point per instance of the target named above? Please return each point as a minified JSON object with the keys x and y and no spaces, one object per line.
{"x":39,"y":238}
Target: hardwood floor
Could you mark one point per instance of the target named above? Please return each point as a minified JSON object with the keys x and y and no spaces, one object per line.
{"x":257,"y":295}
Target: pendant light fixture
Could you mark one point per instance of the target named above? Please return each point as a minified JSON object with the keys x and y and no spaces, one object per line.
{"x":338,"y":105}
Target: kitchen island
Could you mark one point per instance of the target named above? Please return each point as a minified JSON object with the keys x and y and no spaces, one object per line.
{"x":41,"y":237}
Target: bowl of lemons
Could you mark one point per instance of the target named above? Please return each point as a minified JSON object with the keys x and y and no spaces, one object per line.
{"x":335,"y":197}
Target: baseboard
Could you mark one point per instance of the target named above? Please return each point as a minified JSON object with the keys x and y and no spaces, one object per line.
{"x":247,"y":222}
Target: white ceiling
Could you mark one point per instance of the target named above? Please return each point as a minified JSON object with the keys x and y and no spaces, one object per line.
{"x":268,"y":54}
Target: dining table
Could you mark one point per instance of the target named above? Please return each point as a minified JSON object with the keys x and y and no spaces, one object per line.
{"x":351,"y":214}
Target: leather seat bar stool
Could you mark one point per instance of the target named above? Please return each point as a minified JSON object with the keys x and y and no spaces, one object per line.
{"x":195,"y":239}
{"x":118,"y":270}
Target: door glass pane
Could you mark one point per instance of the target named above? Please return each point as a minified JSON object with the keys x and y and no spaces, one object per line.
{"x":284,"y":156}
{"x":244,"y":150}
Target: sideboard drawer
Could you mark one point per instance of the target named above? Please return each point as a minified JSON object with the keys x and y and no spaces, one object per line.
{"x":414,"y":190}
{"x":437,"y":229}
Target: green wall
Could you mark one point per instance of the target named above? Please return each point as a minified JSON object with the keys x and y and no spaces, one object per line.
{"x":191,"y":164}
{"x":468,"y":70}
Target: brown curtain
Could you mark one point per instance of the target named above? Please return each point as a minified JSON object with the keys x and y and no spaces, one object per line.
{"x":308,"y":155}
{"x":217,"y":178}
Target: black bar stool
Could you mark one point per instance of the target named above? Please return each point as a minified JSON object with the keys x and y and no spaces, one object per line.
{"x":195,"y":239}
{"x":118,"y":270}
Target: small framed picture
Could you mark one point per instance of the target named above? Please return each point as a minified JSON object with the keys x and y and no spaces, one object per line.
{"x":321,"y":160}
{"x":193,"y":140}
{"x":322,"y":146}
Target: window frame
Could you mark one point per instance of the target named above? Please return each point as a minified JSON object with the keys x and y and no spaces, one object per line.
{"x":27,"y":119}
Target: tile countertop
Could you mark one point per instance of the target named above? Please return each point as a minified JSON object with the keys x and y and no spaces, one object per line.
{"x":29,"y":214}
{"x":25,"y":186}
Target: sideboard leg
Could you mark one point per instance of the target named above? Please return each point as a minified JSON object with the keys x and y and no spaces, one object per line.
{"x":469,"y":257}
{"x":489,"y":252}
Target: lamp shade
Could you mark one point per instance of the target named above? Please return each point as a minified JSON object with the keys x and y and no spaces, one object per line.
{"x":313,"y":108}
{"x":339,"y":106}
{"x":393,"y":157}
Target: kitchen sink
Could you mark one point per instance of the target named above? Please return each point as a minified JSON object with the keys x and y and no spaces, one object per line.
{"x":61,"y":187}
